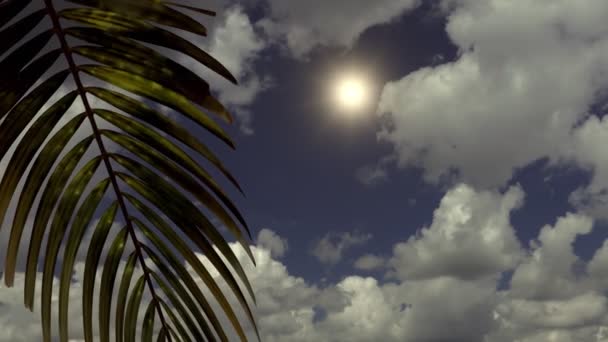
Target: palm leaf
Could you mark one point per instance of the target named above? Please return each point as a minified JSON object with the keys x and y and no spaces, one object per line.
{"x":70,"y":178}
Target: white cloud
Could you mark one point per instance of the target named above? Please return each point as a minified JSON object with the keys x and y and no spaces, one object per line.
{"x":587,"y":152}
{"x":330,"y":248}
{"x":17,"y":324}
{"x":439,"y":307}
{"x":548,"y":271}
{"x":374,"y":174}
{"x":305,"y":24}
{"x":371,"y":175}
{"x":550,"y":299}
{"x":525,"y":77}
{"x":443,"y":306}
{"x":470,"y":237}
{"x":361,"y":309}
{"x":272,"y":242}
{"x":234,"y":42}
{"x":369,"y":262}
{"x":558,"y":314}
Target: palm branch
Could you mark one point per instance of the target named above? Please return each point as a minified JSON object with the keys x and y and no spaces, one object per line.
{"x":150,"y":184}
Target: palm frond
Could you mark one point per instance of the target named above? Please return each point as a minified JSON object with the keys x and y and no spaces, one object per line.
{"x":148,"y":187}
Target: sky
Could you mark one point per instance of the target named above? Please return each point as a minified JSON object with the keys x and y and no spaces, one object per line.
{"x":466,"y":200}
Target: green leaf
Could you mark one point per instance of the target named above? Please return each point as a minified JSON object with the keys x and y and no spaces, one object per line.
{"x":153,"y":11}
{"x":189,"y":184}
{"x":142,"y":31}
{"x":144,"y":113}
{"x":147,"y":330}
{"x":182,"y":293}
{"x":152,"y":90}
{"x":96,"y":245}
{"x":141,"y":61}
{"x":195,"y":9}
{"x":150,"y":137}
{"x":162,"y":335}
{"x":62,"y":217}
{"x":125,"y":282}
{"x":10,"y":9}
{"x":51,"y":194}
{"x":173,"y":335}
{"x":176,"y":322}
{"x":110,"y":268}
{"x":183,"y":274}
{"x":16,"y":60}
{"x":10,"y":93}
{"x":17,"y":31}
{"x":81,"y":222}
{"x":183,"y":313}
{"x":68,"y":200}
{"x":172,"y":170}
{"x":155,"y":188}
{"x":186,"y":252}
{"x":22,"y":156}
{"x":133,"y":309}
{"x":22,"y":114}
{"x":186,"y":216}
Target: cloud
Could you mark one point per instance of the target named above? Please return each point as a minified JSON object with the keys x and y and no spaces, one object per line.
{"x":444,"y":306}
{"x":586,"y":150}
{"x":548,"y":271}
{"x":559,"y":314}
{"x":360,"y":309}
{"x":272,"y":242}
{"x":371,"y":175}
{"x":330,"y":248}
{"x":234,"y":42}
{"x":376,"y":173}
{"x":479,"y":118}
{"x":369,"y":262}
{"x":303,"y":24}
{"x":470,"y":237}
{"x":17,"y":324}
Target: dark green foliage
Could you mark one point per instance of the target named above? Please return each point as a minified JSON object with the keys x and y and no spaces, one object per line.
{"x":65,"y":168}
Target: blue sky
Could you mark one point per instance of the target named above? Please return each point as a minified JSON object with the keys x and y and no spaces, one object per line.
{"x":514,"y":90}
{"x":300,"y":167}
{"x":466,"y":201}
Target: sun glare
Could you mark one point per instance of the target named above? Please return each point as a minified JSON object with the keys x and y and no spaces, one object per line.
{"x":351,"y":93}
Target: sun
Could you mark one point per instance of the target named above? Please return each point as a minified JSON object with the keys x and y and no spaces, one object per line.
{"x":351,"y":93}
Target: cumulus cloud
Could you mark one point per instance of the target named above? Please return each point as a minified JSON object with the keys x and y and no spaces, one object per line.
{"x":444,"y":306}
{"x":20,"y":325}
{"x":587,"y":150}
{"x":548,"y":272}
{"x":272,"y":242}
{"x":439,"y":307}
{"x":470,"y":237}
{"x":329,"y":250}
{"x":369,"y":262}
{"x":304,"y":24}
{"x":479,"y":118}
{"x":550,"y":297}
{"x":236,"y":44}
{"x":361,"y":309}
{"x":558,"y":314}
